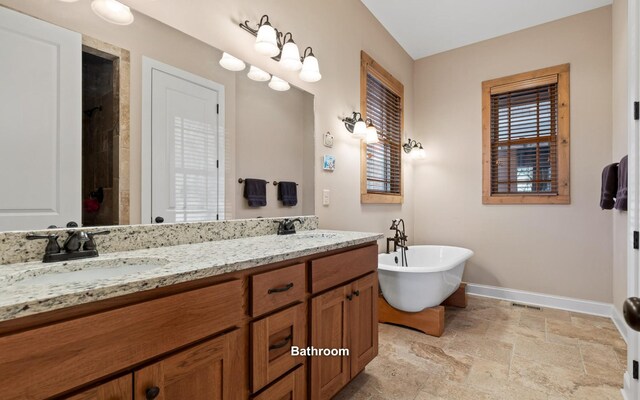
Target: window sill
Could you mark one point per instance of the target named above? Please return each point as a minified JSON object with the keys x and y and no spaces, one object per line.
{"x":376,"y":198}
{"x":526,"y":199}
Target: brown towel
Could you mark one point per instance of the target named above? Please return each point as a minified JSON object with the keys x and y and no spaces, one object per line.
{"x":621,"y":195}
{"x":609,"y":186}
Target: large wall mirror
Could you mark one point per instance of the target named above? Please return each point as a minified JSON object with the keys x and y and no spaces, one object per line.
{"x":104,"y":124}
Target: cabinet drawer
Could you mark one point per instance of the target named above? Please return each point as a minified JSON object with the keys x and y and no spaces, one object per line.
{"x":291,"y":387}
{"x":272,"y":339}
{"x":335,"y":270}
{"x":278,"y":288}
{"x":43,"y":362}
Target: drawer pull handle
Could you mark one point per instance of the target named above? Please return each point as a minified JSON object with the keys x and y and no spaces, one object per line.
{"x":280,"y":289}
{"x":152,"y":392}
{"x":281,"y":344}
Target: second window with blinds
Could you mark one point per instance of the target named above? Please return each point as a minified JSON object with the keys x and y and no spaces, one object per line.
{"x":381,"y":100}
{"x":525,"y":123}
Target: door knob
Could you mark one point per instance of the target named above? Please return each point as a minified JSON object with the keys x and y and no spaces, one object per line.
{"x":631,"y":311}
{"x":159,"y":220}
{"x":152,"y":392}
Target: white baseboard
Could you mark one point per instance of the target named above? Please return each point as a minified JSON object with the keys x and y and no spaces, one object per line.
{"x":618,"y":320}
{"x":626,"y":390}
{"x":542,"y":300}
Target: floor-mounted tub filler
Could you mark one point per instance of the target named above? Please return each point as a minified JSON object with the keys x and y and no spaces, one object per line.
{"x":414,"y":294}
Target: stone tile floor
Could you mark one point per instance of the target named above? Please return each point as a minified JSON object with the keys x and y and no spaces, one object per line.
{"x":493,"y":350}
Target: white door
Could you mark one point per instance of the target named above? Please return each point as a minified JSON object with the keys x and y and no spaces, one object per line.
{"x":40,"y":123}
{"x":185,"y":146}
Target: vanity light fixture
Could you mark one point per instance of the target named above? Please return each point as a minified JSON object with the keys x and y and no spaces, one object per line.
{"x":271,"y":42}
{"x":414,"y":148}
{"x":267,"y":37}
{"x":290,"y":56}
{"x":258,"y":75}
{"x":356,"y":125}
{"x":112,"y":11}
{"x":231,"y":63}
{"x":278,"y":84}
{"x":310,"y":69}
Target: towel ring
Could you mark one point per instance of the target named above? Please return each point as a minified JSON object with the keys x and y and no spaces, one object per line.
{"x":275,"y":183}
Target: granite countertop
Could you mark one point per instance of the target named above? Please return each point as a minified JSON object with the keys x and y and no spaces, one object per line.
{"x":26,"y":291}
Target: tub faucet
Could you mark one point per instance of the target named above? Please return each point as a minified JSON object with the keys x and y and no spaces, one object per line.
{"x":399,"y":240}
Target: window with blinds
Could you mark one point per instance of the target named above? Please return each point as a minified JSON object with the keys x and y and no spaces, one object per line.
{"x":382,"y":166}
{"x":526,"y":120}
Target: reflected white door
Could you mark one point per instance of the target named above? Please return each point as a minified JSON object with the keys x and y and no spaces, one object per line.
{"x":40,"y":123}
{"x":185,"y":146}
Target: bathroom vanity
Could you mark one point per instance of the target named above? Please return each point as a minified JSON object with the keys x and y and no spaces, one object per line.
{"x":213,"y":320}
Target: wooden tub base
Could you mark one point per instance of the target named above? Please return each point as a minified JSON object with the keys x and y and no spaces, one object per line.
{"x":429,"y":321}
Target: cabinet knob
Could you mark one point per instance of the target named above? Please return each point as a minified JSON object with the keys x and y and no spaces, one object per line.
{"x":357,"y":293}
{"x":159,"y":220}
{"x":350,"y":297}
{"x":152,"y":392}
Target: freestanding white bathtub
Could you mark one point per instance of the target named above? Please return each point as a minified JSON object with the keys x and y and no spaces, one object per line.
{"x":433,"y":274}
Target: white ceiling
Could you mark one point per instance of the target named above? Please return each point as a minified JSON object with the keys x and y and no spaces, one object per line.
{"x":426,"y":27}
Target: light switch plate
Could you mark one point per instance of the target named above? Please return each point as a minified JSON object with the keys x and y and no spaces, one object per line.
{"x":326,"y":197}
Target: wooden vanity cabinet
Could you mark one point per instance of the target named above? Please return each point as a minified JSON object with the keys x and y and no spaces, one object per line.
{"x":117,"y":389}
{"x":226,"y":337}
{"x":203,"y":372}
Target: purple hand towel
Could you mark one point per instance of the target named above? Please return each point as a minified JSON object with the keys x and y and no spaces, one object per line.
{"x":621,"y":195}
{"x":609,"y":186}
{"x":255,"y":191}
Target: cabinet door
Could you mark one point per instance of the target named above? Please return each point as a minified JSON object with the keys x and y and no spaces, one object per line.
{"x":208,"y":371}
{"x":117,"y":389}
{"x":291,"y":387}
{"x":329,"y":330}
{"x":363,"y":322}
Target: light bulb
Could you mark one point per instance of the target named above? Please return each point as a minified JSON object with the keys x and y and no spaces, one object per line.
{"x":290,"y":58}
{"x":112,"y":11}
{"x":258,"y":75}
{"x":310,"y":69}
{"x":231,"y":63}
{"x":266,"y":41}
{"x":278,"y":84}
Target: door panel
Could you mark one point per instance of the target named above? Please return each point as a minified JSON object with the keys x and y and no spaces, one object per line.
{"x":205,"y":372}
{"x":363,"y":322}
{"x":291,"y":387}
{"x":184,"y":155}
{"x":40,"y":115}
{"x":329,"y":330}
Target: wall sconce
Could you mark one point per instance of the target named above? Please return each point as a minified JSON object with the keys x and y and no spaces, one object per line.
{"x":231,"y":63}
{"x":361,"y":129}
{"x":272,"y":43}
{"x":414,"y":148}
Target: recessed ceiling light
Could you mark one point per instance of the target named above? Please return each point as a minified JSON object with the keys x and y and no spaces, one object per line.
{"x":112,"y":11}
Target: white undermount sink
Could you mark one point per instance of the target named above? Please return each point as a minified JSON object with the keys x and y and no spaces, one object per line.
{"x":83,"y":271}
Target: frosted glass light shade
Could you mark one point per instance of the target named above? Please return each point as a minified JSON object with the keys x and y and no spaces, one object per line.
{"x":360,"y":129}
{"x":112,"y":11}
{"x":290,"y":58}
{"x":266,"y":41}
{"x":420,"y":153}
{"x":231,"y":63}
{"x":258,"y":75}
{"x":371,"y":135}
{"x":278,"y":84}
{"x":310,"y":70}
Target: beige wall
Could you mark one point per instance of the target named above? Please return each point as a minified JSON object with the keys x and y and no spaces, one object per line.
{"x":620,"y":107}
{"x":554,"y":249}
{"x":337,"y":30}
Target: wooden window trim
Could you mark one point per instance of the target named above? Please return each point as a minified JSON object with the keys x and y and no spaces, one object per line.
{"x":523,"y":81}
{"x":369,"y":66}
